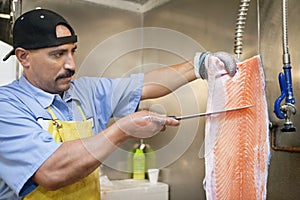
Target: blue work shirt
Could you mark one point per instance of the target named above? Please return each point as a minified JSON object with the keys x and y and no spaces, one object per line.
{"x":25,"y":145}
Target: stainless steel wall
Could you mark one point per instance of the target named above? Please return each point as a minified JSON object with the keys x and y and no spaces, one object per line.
{"x":110,"y":45}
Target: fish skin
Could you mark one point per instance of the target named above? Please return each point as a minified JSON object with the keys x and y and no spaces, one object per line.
{"x":237,"y":149}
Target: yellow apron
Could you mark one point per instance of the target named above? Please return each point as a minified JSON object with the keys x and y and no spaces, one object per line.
{"x":87,"y":188}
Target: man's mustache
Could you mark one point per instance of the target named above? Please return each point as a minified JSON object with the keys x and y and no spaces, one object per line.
{"x":68,"y":73}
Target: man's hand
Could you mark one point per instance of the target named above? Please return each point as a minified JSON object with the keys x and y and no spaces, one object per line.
{"x":201,"y":63}
{"x":144,"y":124}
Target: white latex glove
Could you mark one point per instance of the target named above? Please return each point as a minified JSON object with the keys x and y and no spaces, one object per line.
{"x":144,"y":124}
{"x":201,"y":60}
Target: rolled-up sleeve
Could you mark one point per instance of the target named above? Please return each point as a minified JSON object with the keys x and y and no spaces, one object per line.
{"x":107,"y":97}
{"x":126,"y":95}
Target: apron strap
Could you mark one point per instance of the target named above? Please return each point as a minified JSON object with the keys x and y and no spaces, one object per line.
{"x":55,"y":121}
{"x":81,"y":111}
{"x":52,"y":113}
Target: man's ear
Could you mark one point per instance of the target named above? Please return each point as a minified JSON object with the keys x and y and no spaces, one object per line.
{"x":23,"y":56}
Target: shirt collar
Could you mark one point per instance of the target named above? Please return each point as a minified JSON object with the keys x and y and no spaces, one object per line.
{"x":70,"y":94}
{"x":44,"y":98}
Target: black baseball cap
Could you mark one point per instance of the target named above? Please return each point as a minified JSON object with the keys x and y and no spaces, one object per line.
{"x":36,"y":29}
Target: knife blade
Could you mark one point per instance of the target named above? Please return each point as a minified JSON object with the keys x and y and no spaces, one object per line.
{"x":210,"y":113}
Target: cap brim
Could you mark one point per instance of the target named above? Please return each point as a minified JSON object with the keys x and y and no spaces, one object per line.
{"x":12,"y":52}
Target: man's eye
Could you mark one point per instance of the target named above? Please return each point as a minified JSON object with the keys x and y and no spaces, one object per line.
{"x":58,"y":54}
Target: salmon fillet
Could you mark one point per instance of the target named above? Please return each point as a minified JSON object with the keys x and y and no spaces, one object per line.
{"x":236,"y":143}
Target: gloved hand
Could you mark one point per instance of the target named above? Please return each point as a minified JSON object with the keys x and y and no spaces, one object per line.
{"x":144,"y":124}
{"x":201,"y":62}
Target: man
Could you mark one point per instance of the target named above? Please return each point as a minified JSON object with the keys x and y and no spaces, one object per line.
{"x":54,"y":132}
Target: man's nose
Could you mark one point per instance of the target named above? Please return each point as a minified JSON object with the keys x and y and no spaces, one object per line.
{"x":70,"y":63}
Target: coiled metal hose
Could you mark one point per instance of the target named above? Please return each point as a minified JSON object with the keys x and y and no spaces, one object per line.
{"x":240,"y":25}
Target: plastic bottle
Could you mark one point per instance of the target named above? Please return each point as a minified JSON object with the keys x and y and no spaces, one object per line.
{"x":139,"y":164}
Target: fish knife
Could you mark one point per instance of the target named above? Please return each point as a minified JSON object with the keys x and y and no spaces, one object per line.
{"x":210,"y":113}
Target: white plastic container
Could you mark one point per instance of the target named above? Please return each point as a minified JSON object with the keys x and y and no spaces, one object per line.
{"x":134,"y":190}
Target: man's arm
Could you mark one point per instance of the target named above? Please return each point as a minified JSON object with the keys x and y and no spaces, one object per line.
{"x":76,"y":159}
{"x":163,"y":81}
